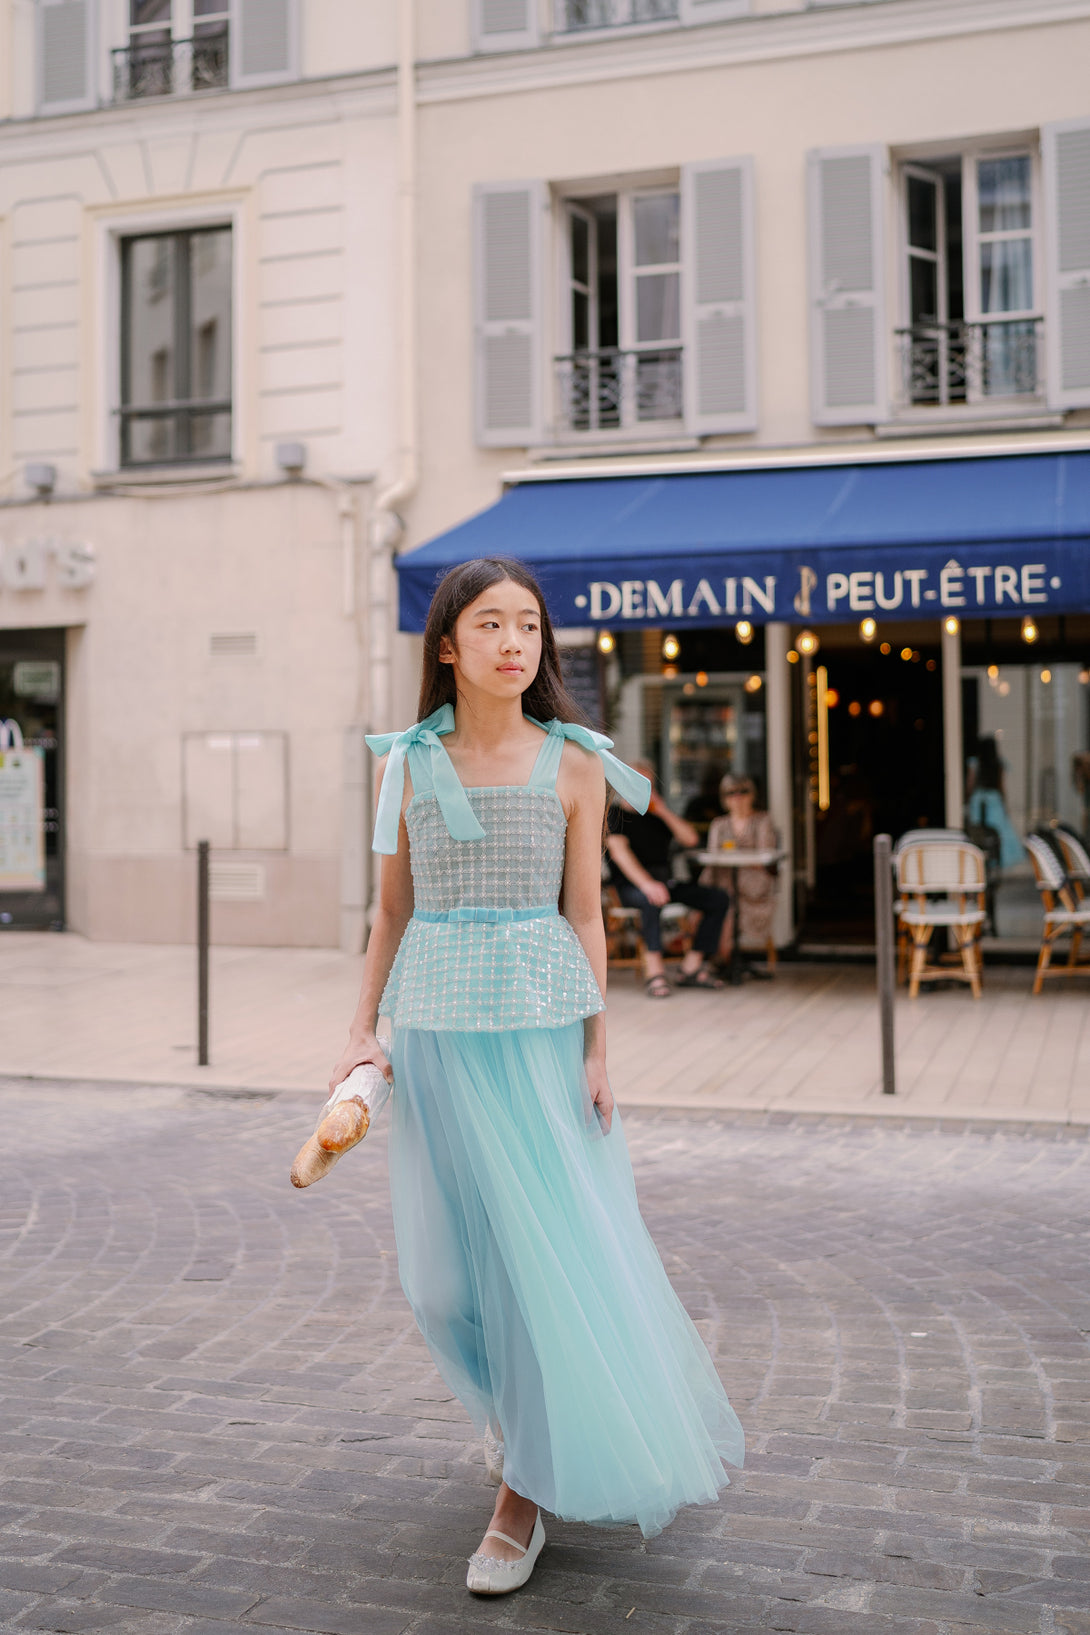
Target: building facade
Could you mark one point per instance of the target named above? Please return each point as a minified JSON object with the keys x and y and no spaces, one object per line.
{"x":761,"y":327}
{"x":198,"y":355}
{"x":722,"y":273}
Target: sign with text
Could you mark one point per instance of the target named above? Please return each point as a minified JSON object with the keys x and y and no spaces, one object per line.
{"x":22,"y":835}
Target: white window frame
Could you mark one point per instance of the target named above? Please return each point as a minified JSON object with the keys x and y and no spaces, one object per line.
{"x":626,"y":195}
{"x":970,"y":154}
{"x":111,"y":228}
{"x":116,"y":33}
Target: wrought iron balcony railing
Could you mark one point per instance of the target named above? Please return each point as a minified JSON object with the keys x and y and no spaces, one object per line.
{"x":160,"y":68}
{"x":611,"y":389}
{"x":575,"y":16}
{"x":175,"y":433}
{"x":965,"y":363}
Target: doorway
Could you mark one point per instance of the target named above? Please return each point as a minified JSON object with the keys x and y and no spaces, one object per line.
{"x":32,"y":780}
{"x":885,"y":771}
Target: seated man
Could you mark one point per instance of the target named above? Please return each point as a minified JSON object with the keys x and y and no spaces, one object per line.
{"x":639,"y":866}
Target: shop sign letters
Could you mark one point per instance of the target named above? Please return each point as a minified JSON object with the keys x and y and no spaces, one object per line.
{"x":31,"y":564}
{"x":823,"y":592}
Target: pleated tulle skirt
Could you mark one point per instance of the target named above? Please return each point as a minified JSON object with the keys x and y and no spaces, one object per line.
{"x":537,"y":1287}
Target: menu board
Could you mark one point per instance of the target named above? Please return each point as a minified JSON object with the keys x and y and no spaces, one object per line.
{"x":581,"y":669}
{"x":22,"y":834}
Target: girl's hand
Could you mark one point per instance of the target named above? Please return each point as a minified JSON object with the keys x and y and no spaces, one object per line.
{"x":364,"y":1049}
{"x":600,"y":1093}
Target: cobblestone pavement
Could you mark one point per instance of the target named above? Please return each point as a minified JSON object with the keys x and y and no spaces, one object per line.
{"x":217,"y":1415}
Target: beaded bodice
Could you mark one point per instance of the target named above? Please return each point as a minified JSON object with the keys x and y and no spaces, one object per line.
{"x":519,"y":864}
{"x":487,"y":949}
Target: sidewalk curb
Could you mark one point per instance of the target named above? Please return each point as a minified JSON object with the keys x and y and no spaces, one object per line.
{"x":951,"y":1123}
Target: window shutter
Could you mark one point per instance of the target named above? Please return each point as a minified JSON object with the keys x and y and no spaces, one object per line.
{"x":507,"y":282}
{"x":1067,"y":232}
{"x":711,"y":11}
{"x":718,"y":322}
{"x":504,"y":25}
{"x":848,"y":340}
{"x":264,"y":41}
{"x":66,"y":55}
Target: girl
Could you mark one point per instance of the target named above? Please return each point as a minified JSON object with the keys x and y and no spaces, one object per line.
{"x":520,"y":1244}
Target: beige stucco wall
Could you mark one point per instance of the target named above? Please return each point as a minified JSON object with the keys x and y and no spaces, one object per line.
{"x":601,"y":115}
{"x":169,"y":573}
{"x":303,"y":176}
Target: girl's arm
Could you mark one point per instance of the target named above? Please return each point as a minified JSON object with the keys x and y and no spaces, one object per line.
{"x":581,"y":786}
{"x":394,"y":912}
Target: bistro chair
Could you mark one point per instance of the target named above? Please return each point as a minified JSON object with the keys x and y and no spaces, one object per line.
{"x":624,"y":940}
{"x":1076,"y":862}
{"x":1065,"y":915}
{"x":942,"y":884}
{"x":912,"y":837}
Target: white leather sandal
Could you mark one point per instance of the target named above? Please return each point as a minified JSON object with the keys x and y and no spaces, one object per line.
{"x":493,"y":1456}
{"x":488,"y":1575}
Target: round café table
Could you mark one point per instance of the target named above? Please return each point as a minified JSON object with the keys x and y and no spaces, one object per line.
{"x":736,"y":857}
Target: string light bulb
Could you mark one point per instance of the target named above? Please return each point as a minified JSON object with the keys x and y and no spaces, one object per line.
{"x":671,"y":647}
{"x":753,"y":683}
{"x":606,"y":641}
{"x":1029,"y":629}
{"x":868,"y":629}
{"x":807,"y":643}
{"x":744,"y":632}
{"x":951,"y":625}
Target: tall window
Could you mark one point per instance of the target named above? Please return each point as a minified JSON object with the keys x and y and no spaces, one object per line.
{"x":973,"y":331}
{"x":176,"y":347}
{"x":174,"y":45}
{"x":623,"y":366}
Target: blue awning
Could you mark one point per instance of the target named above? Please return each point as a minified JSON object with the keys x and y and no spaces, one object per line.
{"x":1001,"y":536}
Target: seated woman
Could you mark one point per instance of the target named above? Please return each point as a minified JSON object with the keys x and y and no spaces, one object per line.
{"x":638,"y":846}
{"x":754,"y":889}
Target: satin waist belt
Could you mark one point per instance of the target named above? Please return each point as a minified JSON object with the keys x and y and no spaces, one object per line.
{"x":483,"y":916}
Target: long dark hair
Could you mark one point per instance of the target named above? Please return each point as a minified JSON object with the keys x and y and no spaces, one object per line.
{"x":546,"y":697}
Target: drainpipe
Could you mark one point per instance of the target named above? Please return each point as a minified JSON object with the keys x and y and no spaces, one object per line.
{"x":385,"y":526}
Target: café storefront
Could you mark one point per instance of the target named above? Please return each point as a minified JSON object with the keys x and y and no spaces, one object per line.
{"x":861,"y":636}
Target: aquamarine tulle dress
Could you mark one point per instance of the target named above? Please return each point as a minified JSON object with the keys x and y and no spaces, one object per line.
{"x":520,"y":1243}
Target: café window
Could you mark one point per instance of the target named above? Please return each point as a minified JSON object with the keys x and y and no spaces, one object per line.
{"x":176,"y":347}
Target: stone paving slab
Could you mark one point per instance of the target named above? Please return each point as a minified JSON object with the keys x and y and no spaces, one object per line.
{"x":808,"y":1041}
{"x":216,"y":1414}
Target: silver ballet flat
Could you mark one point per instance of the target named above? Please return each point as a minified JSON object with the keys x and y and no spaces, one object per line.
{"x":493,"y":1456}
{"x":488,"y":1575}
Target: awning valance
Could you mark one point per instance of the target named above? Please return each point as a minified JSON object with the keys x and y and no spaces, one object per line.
{"x":995,"y":536}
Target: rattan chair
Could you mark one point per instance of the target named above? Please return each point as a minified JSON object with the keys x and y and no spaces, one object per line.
{"x":942,"y":883}
{"x":624,"y":935}
{"x":912,"y":837}
{"x":1076,"y":862}
{"x":1065,"y":915}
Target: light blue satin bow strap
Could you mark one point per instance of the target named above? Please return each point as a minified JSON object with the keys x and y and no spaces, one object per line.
{"x":453,"y":802}
{"x":631,"y":785}
{"x":458,"y":814}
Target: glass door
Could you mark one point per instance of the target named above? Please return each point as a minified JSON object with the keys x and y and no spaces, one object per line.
{"x":928,"y":314}
{"x":1004,"y":284}
{"x":31,"y":780}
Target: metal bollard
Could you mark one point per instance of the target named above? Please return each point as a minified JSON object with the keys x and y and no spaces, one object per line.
{"x":883,"y":947}
{"x":202,"y":952}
